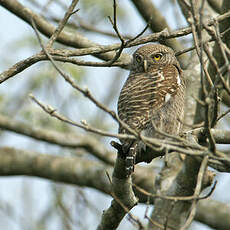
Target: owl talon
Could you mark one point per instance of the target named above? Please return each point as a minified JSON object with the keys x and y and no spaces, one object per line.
{"x":130,"y":161}
{"x":129,"y":165}
{"x":129,"y":171}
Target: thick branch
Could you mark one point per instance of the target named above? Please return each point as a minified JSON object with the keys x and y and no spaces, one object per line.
{"x":216,"y":5}
{"x":92,"y":174}
{"x":72,"y":170}
{"x":70,"y":39}
{"x":214,"y":213}
{"x":178,"y":178}
{"x":64,"y":54}
{"x":124,"y":198}
{"x":89,"y":143}
{"x":64,"y":169}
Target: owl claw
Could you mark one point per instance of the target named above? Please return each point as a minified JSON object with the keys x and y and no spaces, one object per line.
{"x":129,"y":165}
{"x":130,"y":161}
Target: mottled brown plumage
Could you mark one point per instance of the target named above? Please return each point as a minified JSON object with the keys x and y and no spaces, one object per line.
{"x":153,"y":95}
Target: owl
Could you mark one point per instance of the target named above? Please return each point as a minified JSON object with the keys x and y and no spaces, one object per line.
{"x":152,"y":97}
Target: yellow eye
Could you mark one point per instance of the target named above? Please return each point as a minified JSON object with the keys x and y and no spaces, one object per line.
{"x":138,"y":58}
{"x":157,"y":57}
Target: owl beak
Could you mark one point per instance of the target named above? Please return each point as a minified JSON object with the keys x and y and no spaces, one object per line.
{"x":145,"y":65}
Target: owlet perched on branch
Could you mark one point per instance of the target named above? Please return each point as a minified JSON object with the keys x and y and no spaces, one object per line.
{"x":152,"y":97}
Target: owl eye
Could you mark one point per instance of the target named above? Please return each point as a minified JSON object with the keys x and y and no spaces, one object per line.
{"x":157,"y":57}
{"x":138,"y":58}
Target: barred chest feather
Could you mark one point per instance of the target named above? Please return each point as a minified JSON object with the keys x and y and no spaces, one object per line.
{"x":145,"y":95}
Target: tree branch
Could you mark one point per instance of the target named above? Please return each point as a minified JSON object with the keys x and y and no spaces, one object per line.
{"x":213,"y":213}
{"x":72,"y":170}
{"x":70,"y":39}
{"x":69,"y":140}
{"x":124,"y":198}
{"x":95,"y":49}
{"x":82,"y":172}
{"x":158,"y":23}
{"x":62,"y":23}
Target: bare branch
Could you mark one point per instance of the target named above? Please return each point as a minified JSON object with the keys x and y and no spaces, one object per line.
{"x":69,"y":140}
{"x":61,"y":169}
{"x":124,"y":198}
{"x":52,"y":112}
{"x":213,"y":213}
{"x":63,"y":55}
{"x":196,"y":193}
{"x":62,"y":23}
{"x":70,"y":39}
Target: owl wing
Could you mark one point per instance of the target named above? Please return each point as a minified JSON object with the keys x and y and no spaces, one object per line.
{"x":168,"y":109}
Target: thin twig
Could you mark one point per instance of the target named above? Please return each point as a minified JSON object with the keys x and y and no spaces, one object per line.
{"x":223,"y":114}
{"x":62,"y":23}
{"x":196,"y":193}
{"x":85,"y":92}
{"x":176,"y":198}
{"x":53,"y":112}
{"x":124,"y":43}
{"x":62,"y":55}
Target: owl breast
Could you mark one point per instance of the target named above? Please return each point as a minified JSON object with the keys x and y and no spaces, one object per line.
{"x":144,"y":95}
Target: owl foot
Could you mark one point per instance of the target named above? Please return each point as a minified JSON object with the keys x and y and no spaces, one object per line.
{"x":128,"y":153}
{"x":130,"y":160}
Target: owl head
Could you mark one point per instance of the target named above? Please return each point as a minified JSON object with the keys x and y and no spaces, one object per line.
{"x":153,"y":56}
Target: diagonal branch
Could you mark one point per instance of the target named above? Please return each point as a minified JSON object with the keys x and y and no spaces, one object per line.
{"x":53,"y":112}
{"x":95,"y":49}
{"x":70,"y":11}
{"x":75,"y":39}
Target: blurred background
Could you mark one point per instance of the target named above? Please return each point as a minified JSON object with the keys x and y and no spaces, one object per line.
{"x":33,"y":203}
